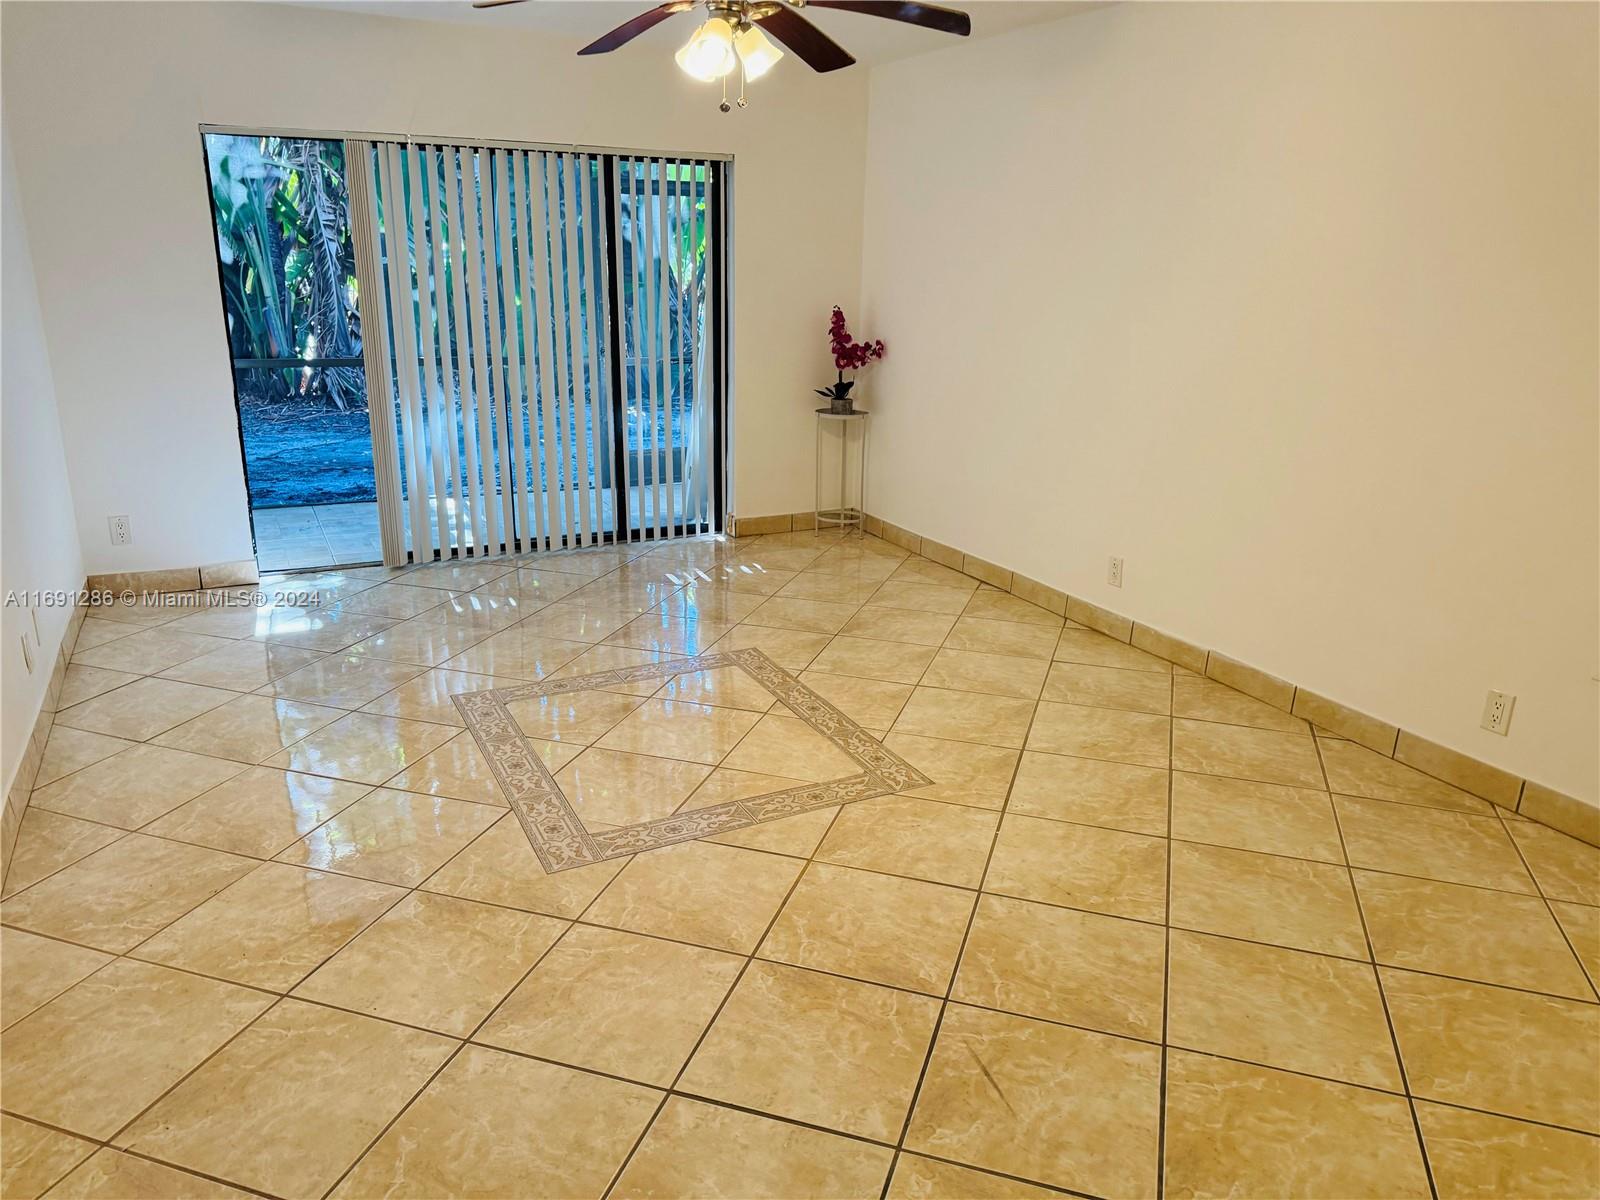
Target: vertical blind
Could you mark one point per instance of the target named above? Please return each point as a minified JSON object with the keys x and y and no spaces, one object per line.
{"x":547,"y":339}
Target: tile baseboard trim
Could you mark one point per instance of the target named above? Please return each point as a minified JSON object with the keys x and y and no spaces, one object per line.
{"x":21,"y":789}
{"x":777,"y":523}
{"x":239,"y":573}
{"x":1567,"y":814}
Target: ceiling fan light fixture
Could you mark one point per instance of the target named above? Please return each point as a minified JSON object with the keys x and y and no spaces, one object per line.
{"x":709,"y":55}
{"x":756,"y":52}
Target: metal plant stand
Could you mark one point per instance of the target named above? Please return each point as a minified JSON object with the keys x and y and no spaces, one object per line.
{"x":841,"y":437}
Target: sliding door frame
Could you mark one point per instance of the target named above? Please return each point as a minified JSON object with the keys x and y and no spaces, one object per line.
{"x":718,"y":195}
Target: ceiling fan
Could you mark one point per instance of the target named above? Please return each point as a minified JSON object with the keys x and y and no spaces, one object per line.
{"x":732,"y":37}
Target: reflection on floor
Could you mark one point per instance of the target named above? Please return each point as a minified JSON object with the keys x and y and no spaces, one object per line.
{"x":310,"y":537}
{"x":271,"y":923}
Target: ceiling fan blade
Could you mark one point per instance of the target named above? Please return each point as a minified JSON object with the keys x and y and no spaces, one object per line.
{"x":815,"y":48}
{"x":929,"y":16}
{"x":628,"y":30}
{"x":493,"y":3}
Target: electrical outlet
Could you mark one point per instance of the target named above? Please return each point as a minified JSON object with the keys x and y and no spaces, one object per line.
{"x":1114,"y":572}
{"x":1497,"y":712}
{"x":121,"y":531}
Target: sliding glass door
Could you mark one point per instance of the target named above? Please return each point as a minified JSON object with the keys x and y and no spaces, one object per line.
{"x":548,"y":326}
{"x":527,"y":344}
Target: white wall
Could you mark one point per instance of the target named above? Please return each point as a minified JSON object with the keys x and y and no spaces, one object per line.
{"x":105,"y":101}
{"x":1293,"y":307}
{"x":38,"y":539}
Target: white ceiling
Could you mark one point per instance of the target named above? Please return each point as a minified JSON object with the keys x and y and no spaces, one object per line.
{"x":869,"y":39}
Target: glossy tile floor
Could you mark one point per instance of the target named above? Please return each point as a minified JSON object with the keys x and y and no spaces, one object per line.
{"x":271,"y":929}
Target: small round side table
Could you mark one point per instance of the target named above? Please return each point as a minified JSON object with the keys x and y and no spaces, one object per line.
{"x":841,"y":495}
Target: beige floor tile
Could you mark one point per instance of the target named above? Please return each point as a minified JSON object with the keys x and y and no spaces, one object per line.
{"x":900,"y":625}
{"x":1475,"y":1156}
{"x":1565,"y":868}
{"x":68,"y":750}
{"x":343,"y":680}
{"x":1448,"y":846}
{"x":143,"y":709}
{"x":259,"y":812}
{"x":96,"y":631}
{"x":1091,"y":792}
{"x":1241,"y":753}
{"x":920,"y":570}
{"x":1097,"y":650}
{"x":426,"y":641}
{"x":1227,"y":1126}
{"x":667,"y":635}
{"x":272,"y":928}
{"x":517,"y":653}
{"x":47,"y":842}
{"x":148,"y":651}
{"x":846,"y":588}
{"x":94,"y":1057}
{"x":457,"y":576}
{"x":924,"y":597}
{"x":673,"y":729}
{"x":901,"y":835}
{"x":598,"y":659}
{"x":120,"y":895}
{"x":459,"y":770}
{"x":1255,"y":816}
{"x":1015,"y":638}
{"x":881,"y":928}
{"x":874,"y":658}
{"x":791,"y":649}
{"x":994,"y":605}
{"x":1044,"y":1102}
{"x":919,"y":1178}
{"x":1357,"y":771}
{"x":467,"y":1134}
{"x":1471,"y":933}
{"x":700,"y":892}
{"x":133,"y":788}
{"x":613,"y":788}
{"x":992,"y":674}
{"x":571,"y":620}
{"x":1207,"y":700}
{"x":1280,"y":1008}
{"x":797,"y":835}
{"x":1265,"y":898}
{"x":1080,"y":866}
{"x":874,"y":703}
{"x":811,"y":616}
{"x":577,"y":717}
{"x":1491,"y":1048}
{"x":363,"y":748}
{"x":37,"y":970}
{"x":704,"y":1150}
{"x":112,"y":1175}
{"x":966,"y":717}
{"x":84,"y":683}
{"x":35,"y":1157}
{"x":395,"y":600}
{"x":789,"y":748}
{"x":1109,"y":687}
{"x":1063,"y":965}
{"x":816,"y":1048}
{"x":434,"y":961}
{"x":723,"y":687}
{"x":250,"y":729}
{"x":962,"y":772}
{"x":715,"y":602}
{"x":242,"y":666}
{"x":615,"y":1002}
{"x":501,"y":868}
{"x":390,"y":836}
{"x":1581,"y":924}
{"x":312,"y":1085}
{"x":1142,"y":739}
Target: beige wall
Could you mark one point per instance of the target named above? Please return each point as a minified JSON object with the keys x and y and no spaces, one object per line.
{"x":38,"y":541}
{"x":104,"y":101}
{"x":1294,"y":308}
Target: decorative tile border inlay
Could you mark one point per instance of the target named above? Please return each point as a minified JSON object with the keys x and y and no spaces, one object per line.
{"x":559,"y":836}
